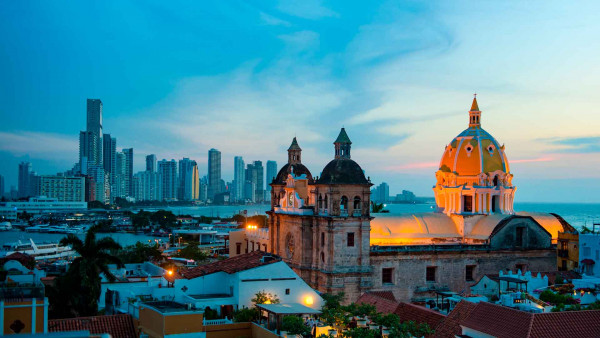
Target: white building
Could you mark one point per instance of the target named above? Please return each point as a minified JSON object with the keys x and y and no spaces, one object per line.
{"x":147,"y":186}
{"x":224,"y":286}
{"x":44,"y":204}
{"x":589,"y":254}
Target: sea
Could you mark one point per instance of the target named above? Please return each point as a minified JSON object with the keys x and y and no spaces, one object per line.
{"x":578,"y":215}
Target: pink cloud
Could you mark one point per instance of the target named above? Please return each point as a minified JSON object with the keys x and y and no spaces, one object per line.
{"x":539,"y":159}
{"x":416,"y":165}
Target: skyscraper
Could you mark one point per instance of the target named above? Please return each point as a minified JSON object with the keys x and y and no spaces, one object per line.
{"x":188,"y":180}
{"x":147,"y":186}
{"x":260,"y":181}
{"x":168,"y":175}
{"x":24,"y":179}
{"x":252,"y":179}
{"x":109,"y":150}
{"x":271,"y":173}
{"x":1,"y":186}
{"x":151,"y":163}
{"x":118,"y":189}
{"x":239,"y":179}
{"x":94,"y":127}
{"x":88,"y":146}
{"x":128,"y":171}
{"x":214,"y":173}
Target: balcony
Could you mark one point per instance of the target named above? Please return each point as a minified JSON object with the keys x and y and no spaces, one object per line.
{"x":563,"y":253}
{"x":344,"y":213}
{"x":21,"y":291}
{"x":357,"y":213}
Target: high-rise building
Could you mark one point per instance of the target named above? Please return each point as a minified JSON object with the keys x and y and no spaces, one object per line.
{"x":88,"y":146}
{"x":109,"y":150}
{"x":24,"y":179}
{"x":118,"y":189}
{"x":168,"y":176}
{"x":252,"y":177}
{"x":188,"y":180}
{"x":381,"y":193}
{"x":260,"y":181}
{"x":271,"y":174}
{"x":239,"y":179}
{"x":64,"y":189}
{"x":1,"y":186}
{"x":203,"y":188}
{"x":128,"y":171}
{"x":214,"y":173}
{"x":94,"y":127}
{"x":250,"y":191}
{"x":147,"y":186}
{"x":151,"y":163}
{"x":34,"y":184}
{"x":101,"y":184}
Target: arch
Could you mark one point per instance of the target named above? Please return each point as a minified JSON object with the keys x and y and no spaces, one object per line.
{"x":320,"y":201}
{"x":344,"y":203}
{"x":322,"y":257}
{"x":326,"y":202}
{"x":322,"y":239}
{"x":357,"y":203}
{"x":495,"y":181}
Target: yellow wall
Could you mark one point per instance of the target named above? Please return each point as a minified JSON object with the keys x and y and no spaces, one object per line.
{"x":24,"y":314}
{"x":229,"y":330}
{"x":184,"y":323}
{"x":151,"y":322}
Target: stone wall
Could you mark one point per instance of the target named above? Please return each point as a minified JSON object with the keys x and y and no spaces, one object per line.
{"x":409,"y":268}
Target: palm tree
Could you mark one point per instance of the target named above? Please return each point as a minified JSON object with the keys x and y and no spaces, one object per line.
{"x":82,"y":283}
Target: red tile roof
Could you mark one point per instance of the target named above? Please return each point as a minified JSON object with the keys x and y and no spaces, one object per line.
{"x":230,"y":265}
{"x":499,"y":321}
{"x":22,"y":258}
{"x":581,"y":324}
{"x":419,"y":314}
{"x":383,"y":305}
{"x":389,"y":295}
{"x":118,"y":326}
{"x":450,"y":327}
{"x":503,"y":322}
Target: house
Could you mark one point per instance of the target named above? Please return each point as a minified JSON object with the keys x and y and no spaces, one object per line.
{"x":589,"y":254}
{"x":495,"y":285}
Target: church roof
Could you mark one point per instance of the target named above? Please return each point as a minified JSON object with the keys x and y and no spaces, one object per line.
{"x":342,"y":171}
{"x":474,"y":105}
{"x":343,"y":137}
{"x":297,"y":169}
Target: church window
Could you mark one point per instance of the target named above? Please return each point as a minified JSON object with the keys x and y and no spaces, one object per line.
{"x":320,"y":201}
{"x":430,"y":273}
{"x":350,"y":241}
{"x":344,"y":203}
{"x":469,"y":273}
{"x":387,"y":276}
{"x":326,"y":203}
{"x":322,"y":239}
{"x":357,"y":203}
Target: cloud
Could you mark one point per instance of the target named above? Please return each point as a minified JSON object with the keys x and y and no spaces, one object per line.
{"x":306,"y":9}
{"x":416,"y":165}
{"x":39,"y":145}
{"x":589,"y":144}
{"x":537,"y":159}
{"x":273,"y":21}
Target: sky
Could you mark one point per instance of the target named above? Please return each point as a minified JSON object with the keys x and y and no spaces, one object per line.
{"x":245,"y":77}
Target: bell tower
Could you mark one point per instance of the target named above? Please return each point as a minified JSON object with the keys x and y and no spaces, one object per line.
{"x":342,"y":145}
{"x":294,"y":153}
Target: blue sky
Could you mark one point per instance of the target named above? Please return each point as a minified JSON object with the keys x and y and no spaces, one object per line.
{"x":246,"y":76}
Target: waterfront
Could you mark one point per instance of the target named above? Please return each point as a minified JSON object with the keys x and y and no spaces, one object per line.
{"x":577,"y":215}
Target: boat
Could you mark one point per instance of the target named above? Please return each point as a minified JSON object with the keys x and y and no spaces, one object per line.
{"x":40,"y":251}
{"x":37,"y":228}
{"x":5,"y":226}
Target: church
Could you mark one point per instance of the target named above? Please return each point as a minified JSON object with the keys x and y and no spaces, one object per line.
{"x":323,"y":228}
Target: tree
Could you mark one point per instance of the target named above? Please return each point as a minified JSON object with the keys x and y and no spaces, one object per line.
{"x":140,"y":253}
{"x":361,"y":332}
{"x":122,"y":203}
{"x":140,"y":220}
{"x":245,"y":315}
{"x":96,"y":205}
{"x":377,"y":207}
{"x":262,"y":297}
{"x":80,"y":287}
{"x":294,"y":325}
{"x":191,"y":251}
{"x":25,"y":216}
{"x":559,"y":279}
{"x":165,"y":218}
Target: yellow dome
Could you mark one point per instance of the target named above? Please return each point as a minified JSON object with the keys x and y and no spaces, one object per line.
{"x":474,"y":151}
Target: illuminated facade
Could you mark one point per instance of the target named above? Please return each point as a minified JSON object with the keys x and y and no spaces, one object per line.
{"x":474,"y":175}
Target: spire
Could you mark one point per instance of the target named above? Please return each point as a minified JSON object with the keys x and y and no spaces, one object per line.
{"x":342,"y":145}
{"x":294,"y":152}
{"x":294,"y":145}
{"x":474,"y":114}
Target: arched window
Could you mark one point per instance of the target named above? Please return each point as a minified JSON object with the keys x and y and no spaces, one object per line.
{"x":326,"y":203}
{"x":322,"y":239}
{"x":344,"y":203}
{"x":357,"y":203}
{"x":322,"y":257}
{"x":320,"y":201}
{"x":496,"y":181}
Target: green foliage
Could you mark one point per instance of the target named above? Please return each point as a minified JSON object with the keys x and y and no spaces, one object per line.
{"x":210,"y":314}
{"x":262,"y":297}
{"x":555,"y":298}
{"x":139,"y":253}
{"x":122,"y":203}
{"x":166,"y":219}
{"x":333,"y":301}
{"x":594,"y":306}
{"x":191,"y":251}
{"x":141,"y":219}
{"x":586,"y":230}
{"x":389,"y":320}
{"x":245,"y":315}
{"x":76,"y":293}
{"x":294,"y":325}
{"x":105,"y":226}
{"x":377,"y":207}
{"x":361,"y":332}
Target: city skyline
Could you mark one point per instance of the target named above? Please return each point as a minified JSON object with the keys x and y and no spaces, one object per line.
{"x":394,"y":75}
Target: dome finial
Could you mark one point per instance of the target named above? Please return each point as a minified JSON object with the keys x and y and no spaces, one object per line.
{"x":474,"y":105}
